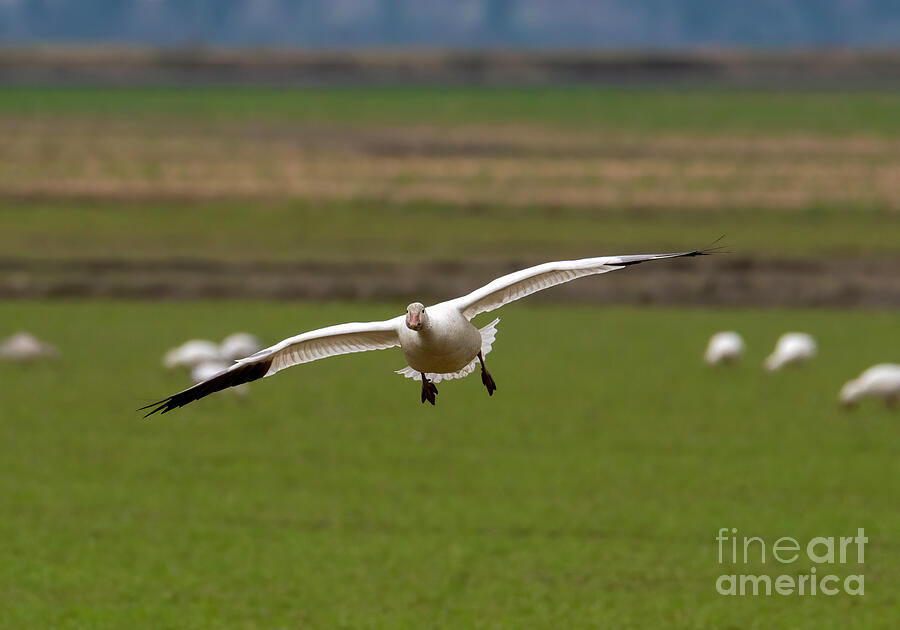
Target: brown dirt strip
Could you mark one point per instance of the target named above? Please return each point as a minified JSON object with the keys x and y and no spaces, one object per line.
{"x":118,"y":65}
{"x":721,"y":280}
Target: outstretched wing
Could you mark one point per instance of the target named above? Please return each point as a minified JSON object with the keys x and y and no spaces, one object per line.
{"x":310,"y":346}
{"x":517,"y":285}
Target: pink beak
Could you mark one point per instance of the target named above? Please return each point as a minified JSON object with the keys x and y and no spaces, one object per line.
{"x":412,"y":320}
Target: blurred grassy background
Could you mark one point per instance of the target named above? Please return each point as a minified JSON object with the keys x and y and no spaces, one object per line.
{"x":338,"y":173}
{"x":650,"y":109}
{"x":586,"y":492}
{"x":416,"y":231}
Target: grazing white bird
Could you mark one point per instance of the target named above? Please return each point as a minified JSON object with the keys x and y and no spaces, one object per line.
{"x":24,"y":347}
{"x":439,"y":340}
{"x":879,"y":381}
{"x":724,"y":348}
{"x":239,"y":345}
{"x":191,"y":353}
{"x":792,"y":348}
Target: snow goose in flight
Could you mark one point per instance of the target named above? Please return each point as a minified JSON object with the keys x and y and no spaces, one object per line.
{"x":724,"y":347}
{"x":791,"y":349}
{"x":439,"y":340}
{"x":879,"y":381}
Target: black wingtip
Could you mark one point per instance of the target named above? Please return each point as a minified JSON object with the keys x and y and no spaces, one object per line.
{"x":709,"y":250}
{"x":157,"y":407}
{"x":712,"y":248}
{"x":237,"y":374}
{"x":161,"y":406}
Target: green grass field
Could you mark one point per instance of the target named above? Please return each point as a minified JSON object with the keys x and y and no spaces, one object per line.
{"x":586,"y":493}
{"x":340,"y":231}
{"x":92,"y":173}
{"x":762,"y":167}
{"x":655,"y":110}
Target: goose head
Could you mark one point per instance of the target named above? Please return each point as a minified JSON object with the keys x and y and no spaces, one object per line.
{"x":849,"y":395}
{"x":416,"y":317}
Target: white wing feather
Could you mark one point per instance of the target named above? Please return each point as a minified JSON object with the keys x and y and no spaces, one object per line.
{"x":519,"y":284}
{"x":328,"y":342}
{"x":312,"y":345}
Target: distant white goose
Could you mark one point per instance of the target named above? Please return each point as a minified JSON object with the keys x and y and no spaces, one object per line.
{"x":191,"y":353}
{"x":239,"y":345}
{"x":24,"y":347}
{"x":724,"y":347}
{"x":879,"y":381}
{"x":792,"y":348}
{"x":439,"y":340}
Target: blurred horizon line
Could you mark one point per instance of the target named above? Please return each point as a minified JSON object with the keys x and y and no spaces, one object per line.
{"x":131,"y":64}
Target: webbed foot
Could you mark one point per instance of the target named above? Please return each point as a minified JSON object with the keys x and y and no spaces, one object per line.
{"x":486,"y":377}
{"x":429,"y":390}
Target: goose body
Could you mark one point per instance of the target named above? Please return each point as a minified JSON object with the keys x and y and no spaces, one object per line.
{"x":724,"y":347}
{"x":191,"y":353}
{"x":196,"y":352}
{"x":439,"y":342}
{"x":238,"y":345}
{"x":792,"y":348}
{"x":445,"y":344}
{"x":879,"y":381}
{"x":24,"y":347}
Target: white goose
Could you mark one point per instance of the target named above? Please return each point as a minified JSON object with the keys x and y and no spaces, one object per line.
{"x":439,"y":340}
{"x":191,"y":353}
{"x":792,"y":348}
{"x":724,"y":347}
{"x":195,"y":352}
{"x":879,"y":381}
{"x":24,"y":347}
{"x":238,"y":345}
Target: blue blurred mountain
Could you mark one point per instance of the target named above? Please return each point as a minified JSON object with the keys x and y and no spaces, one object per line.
{"x":657,"y":24}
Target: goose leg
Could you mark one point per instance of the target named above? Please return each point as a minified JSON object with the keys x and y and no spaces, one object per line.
{"x":428,"y":389}
{"x":486,"y":377}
